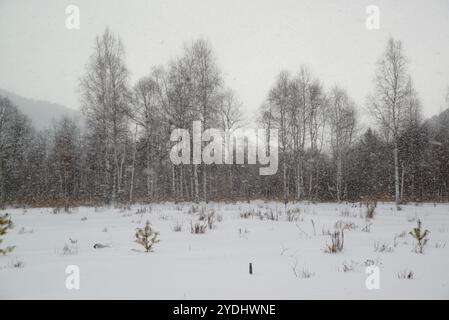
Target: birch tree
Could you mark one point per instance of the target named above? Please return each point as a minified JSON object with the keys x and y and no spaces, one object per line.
{"x":316,"y":122}
{"x":105,"y":103}
{"x":208,"y":84}
{"x":342,"y":118}
{"x":389,"y":100}
{"x":279,"y":99}
{"x":300,"y":101}
{"x":148,"y":115}
{"x":230,"y":118}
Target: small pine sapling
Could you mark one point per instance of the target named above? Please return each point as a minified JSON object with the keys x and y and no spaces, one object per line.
{"x":5,"y":224}
{"x":420,"y":236}
{"x":146,"y":237}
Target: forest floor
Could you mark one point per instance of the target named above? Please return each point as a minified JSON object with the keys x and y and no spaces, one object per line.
{"x":287,"y":249}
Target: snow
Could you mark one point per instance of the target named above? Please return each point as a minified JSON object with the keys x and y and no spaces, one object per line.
{"x":214,"y":265}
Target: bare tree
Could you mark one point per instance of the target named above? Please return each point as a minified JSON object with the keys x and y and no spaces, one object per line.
{"x":279,"y":99}
{"x":207,"y":83}
{"x":389,"y":101}
{"x":317,"y":116}
{"x":230,"y":118}
{"x":149,"y":114}
{"x":300,"y":106}
{"x":105,"y":102}
{"x":342,"y":118}
{"x":178,"y":100}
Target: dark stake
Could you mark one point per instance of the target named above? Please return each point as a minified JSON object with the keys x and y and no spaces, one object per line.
{"x":250,"y":268}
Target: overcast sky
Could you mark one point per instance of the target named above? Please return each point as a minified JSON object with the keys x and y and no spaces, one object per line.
{"x":253,"y":40}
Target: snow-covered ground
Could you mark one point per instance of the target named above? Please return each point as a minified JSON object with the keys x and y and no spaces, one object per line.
{"x":288,"y":257}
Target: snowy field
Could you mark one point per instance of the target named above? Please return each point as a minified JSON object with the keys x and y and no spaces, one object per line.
{"x":286,"y":248}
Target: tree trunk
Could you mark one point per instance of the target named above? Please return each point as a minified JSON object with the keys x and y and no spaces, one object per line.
{"x":131,"y":188}
{"x":285,"y":181}
{"x":195,"y":178}
{"x":396,"y":174}
{"x":205,"y":182}
{"x":181,"y":183}
{"x":299,"y":178}
{"x":402,"y":181}
{"x":149,"y":178}
{"x":339,"y":178}
{"x":174,"y":183}
{"x":231,"y":187}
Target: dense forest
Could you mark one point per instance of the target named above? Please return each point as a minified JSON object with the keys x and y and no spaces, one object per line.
{"x":119,"y":153}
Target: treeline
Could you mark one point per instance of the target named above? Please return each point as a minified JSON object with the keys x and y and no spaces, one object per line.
{"x":120,"y":152}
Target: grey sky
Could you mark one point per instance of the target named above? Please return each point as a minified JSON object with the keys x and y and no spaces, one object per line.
{"x":253,"y":40}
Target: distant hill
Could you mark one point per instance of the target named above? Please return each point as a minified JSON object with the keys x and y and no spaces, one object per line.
{"x":40,"y":112}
